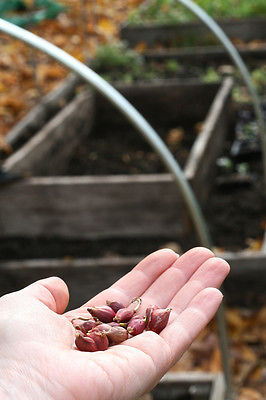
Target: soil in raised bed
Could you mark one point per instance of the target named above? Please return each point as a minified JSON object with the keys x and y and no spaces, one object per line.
{"x":237,"y":207}
{"x":124,"y":151}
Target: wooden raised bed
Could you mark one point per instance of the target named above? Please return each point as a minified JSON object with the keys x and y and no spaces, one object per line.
{"x":46,"y":109}
{"x":91,"y":207}
{"x":51,"y":146}
{"x":244,"y":29}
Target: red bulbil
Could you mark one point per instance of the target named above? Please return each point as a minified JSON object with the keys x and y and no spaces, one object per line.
{"x":114,"y":305}
{"x":85,"y":343}
{"x":117,"y":335}
{"x":103,"y":328}
{"x":88,"y":325}
{"x":158,"y":319}
{"x":136,"y":325}
{"x":149,"y":310}
{"x":123,"y":315}
{"x":83,"y":324}
{"x":103,"y":313}
{"x":99,"y":338}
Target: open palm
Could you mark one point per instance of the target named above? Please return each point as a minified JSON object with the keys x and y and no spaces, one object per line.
{"x":38,"y":359}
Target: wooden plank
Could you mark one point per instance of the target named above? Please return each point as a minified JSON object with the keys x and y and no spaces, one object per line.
{"x":218,"y":388}
{"x":92,"y":207}
{"x":244,"y":29}
{"x":161,"y":102}
{"x":204,"y":55}
{"x":86,"y":277}
{"x":50,"y":148}
{"x":47,"y":108}
{"x":199,"y":168}
{"x":188,"y":377}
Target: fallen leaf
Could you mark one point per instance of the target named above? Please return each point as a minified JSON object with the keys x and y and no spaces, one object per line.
{"x":174,"y":137}
{"x":249,"y":394}
{"x":141,"y":47}
{"x":106,"y":27}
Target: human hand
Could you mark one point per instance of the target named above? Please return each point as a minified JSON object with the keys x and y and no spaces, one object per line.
{"x":38,"y":360}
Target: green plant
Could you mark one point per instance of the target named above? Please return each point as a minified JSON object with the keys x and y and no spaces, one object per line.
{"x":172,"y":66}
{"x":258,"y":76}
{"x":171,"y":11}
{"x":211,"y":75}
{"x":116,"y":55}
{"x":243,"y":168}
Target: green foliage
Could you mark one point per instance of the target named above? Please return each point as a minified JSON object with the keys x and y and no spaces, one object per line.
{"x":171,"y":11}
{"x":211,"y":76}
{"x":259,"y":77}
{"x":172,"y":66}
{"x":243,"y":168}
{"x":225,"y":163}
{"x":116,"y":55}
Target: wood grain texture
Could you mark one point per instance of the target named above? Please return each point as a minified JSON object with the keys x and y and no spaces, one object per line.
{"x":200,"y":167}
{"x":92,"y":207}
{"x":161,"y":102}
{"x":51,"y":147}
{"x":47,"y":108}
{"x":204,"y":55}
{"x":245,"y":29}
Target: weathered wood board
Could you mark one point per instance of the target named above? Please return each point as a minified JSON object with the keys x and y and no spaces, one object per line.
{"x":161,"y":101}
{"x":48,"y":106}
{"x":199,"y":168}
{"x":205,"y":55}
{"x":53,"y":144}
{"x":244,"y":29}
{"x":91,"y":207}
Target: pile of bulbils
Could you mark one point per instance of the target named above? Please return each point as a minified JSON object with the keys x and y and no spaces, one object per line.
{"x":113,"y":324}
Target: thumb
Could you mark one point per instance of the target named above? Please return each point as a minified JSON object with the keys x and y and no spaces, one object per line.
{"x":53,"y":292}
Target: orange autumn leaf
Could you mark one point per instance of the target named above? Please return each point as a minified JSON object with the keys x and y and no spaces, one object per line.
{"x":50,"y":72}
{"x":141,"y":47}
{"x":106,"y":27}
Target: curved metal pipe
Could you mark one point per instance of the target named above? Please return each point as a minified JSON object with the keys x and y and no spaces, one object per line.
{"x":219,"y":33}
{"x":146,"y":131}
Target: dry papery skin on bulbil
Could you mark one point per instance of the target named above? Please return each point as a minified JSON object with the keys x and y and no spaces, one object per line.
{"x":114,"y":323}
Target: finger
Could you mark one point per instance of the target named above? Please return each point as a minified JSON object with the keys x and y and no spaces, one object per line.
{"x":136,"y":281}
{"x":53,"y":292}
{"x":175,"y":277}
{"x":210,"y":274}
{"x":186,"y":326}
